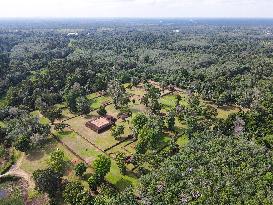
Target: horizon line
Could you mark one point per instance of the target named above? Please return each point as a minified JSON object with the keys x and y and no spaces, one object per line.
{"x":124,"y":17}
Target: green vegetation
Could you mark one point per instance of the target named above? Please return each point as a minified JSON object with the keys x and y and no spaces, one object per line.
{"x":11,"y":193}
{"x":80,"y":169}
{"x":97,"y":102}
{"x":3,"y":101}
{"x":191,"y":111}
{"x":2,"y":124}
{"x":211,"y":164}
{"x":74,"y":193}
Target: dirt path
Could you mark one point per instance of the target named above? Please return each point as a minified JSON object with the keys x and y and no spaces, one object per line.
{"x":16,"y":170}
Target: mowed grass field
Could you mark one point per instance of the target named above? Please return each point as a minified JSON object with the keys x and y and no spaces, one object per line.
{"x":89,"y":153}
{"x":103,"y":140}
{"x":43,"y":120}
{"x":78,"y":145}
{"x":95,"y":103}
{"x":38,"y":159}
{"x":169,"y":101}
{"x":225,"y":111}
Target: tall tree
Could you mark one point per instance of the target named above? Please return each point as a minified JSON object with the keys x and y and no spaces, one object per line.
{"x":57,"y":161}
{"x":82,"y":105}
{"x":118,"y":93}
{"x":151,"y":97}
{"x":47,"y":181}
{"x":75,"y":194}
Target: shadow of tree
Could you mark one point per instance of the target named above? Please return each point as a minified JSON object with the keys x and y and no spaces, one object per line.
{"x":86,"y":176}
{"x":89,"y":116}
{"x":65,"y":132}
{"x":227,"y":107}
{"x":123,"y":184}
{"x":38,"y":153}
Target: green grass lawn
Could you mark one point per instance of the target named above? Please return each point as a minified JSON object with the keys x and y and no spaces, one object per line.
{"x":2,"y":124}
{"x":67,"y":114}
{"x":164,"y":141}
{"x":169,"y":101}
{"x":43,"y":120}
{"x":111,"y":110}
{"x":61,"y":105}
{"x":79,"y":145}
{"x":103,"y":140}
{"x":97,"y":102}
{"x":124,"y":147}
{"x":92,"y":95}
{"x":224,"y":112}
{"x":119,"y":180}
{"x":138,"y":108}
{"x":89,"y":153}
{"x":182,"y":141}
{"x":38,"y":159}
{"x":136,"y":91}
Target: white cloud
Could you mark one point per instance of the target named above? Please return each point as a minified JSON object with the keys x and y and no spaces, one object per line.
{"x":136,"y":8}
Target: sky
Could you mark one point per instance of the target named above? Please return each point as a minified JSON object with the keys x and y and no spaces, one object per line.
{"x":137,"y":8}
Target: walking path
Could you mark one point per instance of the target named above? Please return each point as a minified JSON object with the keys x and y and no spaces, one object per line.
{"x":16,"y":170}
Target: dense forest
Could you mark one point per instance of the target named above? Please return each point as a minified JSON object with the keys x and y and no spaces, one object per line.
{"x":218,"y":64}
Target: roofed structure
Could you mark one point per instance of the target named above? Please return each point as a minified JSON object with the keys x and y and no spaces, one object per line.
{"x":101,"y":124}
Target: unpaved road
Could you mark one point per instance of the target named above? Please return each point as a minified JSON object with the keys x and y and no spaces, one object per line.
{"x":15,"y":170}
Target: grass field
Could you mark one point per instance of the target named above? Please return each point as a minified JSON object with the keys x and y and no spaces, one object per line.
{"x":43,"y":120}
{"x":124,"y":148}
{"x":2,"y":124}
{"x":120,"y":181}
{"x":169,"y":101}
{"x":90,"y":153}
{"x":92,"y":95}
{"x":95,"y":103}
{"x":103,"y":140}
{"x":136,"y":91}
{"x":182,"y":141}
{"x":111,"y":110}
{"x":38,"y":159}
{"x":79,"y":145}
{"x":67,"y":114}
{"x":224,"y":112}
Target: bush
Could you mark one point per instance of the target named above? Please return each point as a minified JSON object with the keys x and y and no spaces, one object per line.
{"x":75,"y":194}
{"x":80,"y":169}
{"x":117,"y":131}
{"x":2,"y":151}
{"x":102,"y":111}
{"x":57,"y":162}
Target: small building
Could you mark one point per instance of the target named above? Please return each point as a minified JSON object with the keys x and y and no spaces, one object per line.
{"x":101,"y":124}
